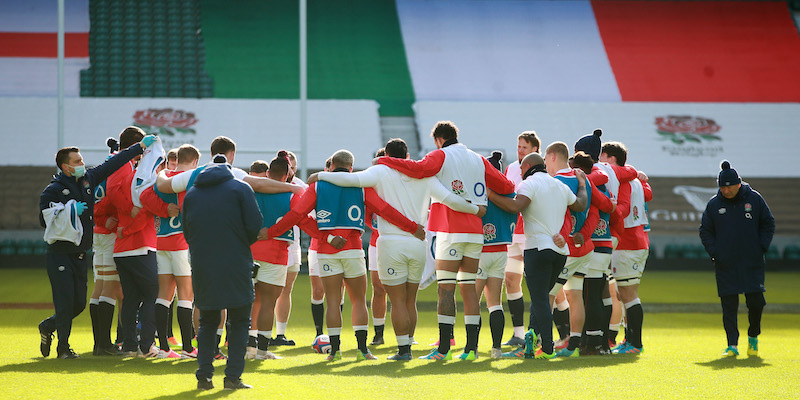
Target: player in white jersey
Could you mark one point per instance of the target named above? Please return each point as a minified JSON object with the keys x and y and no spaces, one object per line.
{"x":401,"y":257}
{"x":543,"y":201}
{"x":459,"y":237}
{"x":527,"y":143}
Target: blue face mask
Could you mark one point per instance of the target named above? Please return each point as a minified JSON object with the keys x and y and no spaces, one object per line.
{"x":79,"y":171}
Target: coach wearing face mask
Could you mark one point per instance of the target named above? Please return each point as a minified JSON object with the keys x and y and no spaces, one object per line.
{"x":67,"y":261}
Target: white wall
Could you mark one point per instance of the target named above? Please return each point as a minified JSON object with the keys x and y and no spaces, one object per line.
{"x":760,"y":140}
{"x":259,"y":127}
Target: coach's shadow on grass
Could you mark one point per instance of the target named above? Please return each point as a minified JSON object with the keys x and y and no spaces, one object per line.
{"x":735,"y":362}
{"x":87,"y":363}
{"x":216,"y":393}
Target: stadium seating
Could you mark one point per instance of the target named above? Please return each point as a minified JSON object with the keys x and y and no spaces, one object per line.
{"x":150,"y":48}
{"x":355,"y":51}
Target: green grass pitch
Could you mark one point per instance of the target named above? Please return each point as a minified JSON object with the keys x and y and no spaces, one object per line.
{"x":681,"y":358}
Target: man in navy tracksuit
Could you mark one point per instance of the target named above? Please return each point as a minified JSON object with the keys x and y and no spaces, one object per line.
{"x":736,"y":230}
{"x":221,"y":220}
{"x":68,"y":264}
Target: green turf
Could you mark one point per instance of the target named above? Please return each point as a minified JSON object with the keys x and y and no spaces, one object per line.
{"x":681,"y":358}
{"x":355,"y":51}
{"x":31,"y":285}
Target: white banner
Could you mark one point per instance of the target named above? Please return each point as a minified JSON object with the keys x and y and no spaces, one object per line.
{"x":259,"y":127}
{"x":663,"y":139}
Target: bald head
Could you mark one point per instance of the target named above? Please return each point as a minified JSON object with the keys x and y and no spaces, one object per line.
{"x":531,"y":160}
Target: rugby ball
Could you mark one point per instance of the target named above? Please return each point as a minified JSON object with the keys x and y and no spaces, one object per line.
{"x":322,"y":344}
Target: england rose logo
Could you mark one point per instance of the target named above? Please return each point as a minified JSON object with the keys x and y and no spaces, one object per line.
{"x":489,"y":232}
{"x":635,"y":213}
{"x":165,"y":121}
{"x":458,"y":187}
{"x":602,"y":228}
{"x":684,"y":128}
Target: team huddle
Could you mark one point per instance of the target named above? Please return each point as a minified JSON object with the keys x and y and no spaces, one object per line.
{"x":573,"y":225}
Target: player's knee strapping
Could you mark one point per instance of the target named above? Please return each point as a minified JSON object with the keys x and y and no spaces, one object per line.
{"x":466,"y":278}
{"x":447,"y":277}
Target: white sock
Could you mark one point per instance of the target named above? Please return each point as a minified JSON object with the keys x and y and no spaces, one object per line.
{"x":360,"y":327}
{"x":335,"y":331}
{"x":266,"y":334}
{"x":108,"y":300}
{"x":252,"y":333}
{"x":472,"y":319}
{"x":94,"y":301}
{"x":280,"y":328}
{"x":378,"y":321}
{"x":403,"y":340}
{"x":220,"y":331}
{"x":519,"y":331}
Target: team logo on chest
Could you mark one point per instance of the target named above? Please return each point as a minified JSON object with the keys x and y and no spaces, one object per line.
{"x":489,"y":232}
{"x":322,"y":216}
{"x":458,"y":187}
{"x":748,"y":207}
{"x":602,"y":228}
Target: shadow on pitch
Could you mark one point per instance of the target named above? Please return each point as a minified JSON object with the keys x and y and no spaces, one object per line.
{"x":350,"y":367}
{"x":216,"y":393}
{"x":89,"y":363}
{"x":735,"y":362}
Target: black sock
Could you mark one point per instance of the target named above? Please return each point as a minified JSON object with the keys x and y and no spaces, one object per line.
{"x":185,"y":325}
{"x":105,"y":318}
{"x":404,"y":349}
{"x":517,"y":309}
{"x":170,"y":319}
{"x":318,"y":314}
{"x":361,"y":338}
{"x":472,"y":337}
{"x":574,"y":342}
{"x":252,"y":341}
{"x":497,"y":321}
{"x":379,"y":330}
{"x":635,"y":321}
{"x":95,"y":322}
{"x":561,"y":320}
{"x":162,"y":320}
{"x":263,"y":342}
{"x":336,"y":341}
{"x":445,"y":333}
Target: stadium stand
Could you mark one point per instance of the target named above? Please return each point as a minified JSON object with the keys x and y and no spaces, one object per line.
{"x":355,"y":51}
{"x":146,"y":49}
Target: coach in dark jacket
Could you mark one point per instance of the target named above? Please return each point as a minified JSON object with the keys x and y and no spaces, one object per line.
{"x":220,"y":221}
{"x":736,"y":230}
{"x":68,"y":264}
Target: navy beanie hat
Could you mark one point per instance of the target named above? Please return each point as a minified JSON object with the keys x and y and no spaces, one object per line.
{"x":728,"y":175}
{"x":590,"y":144}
